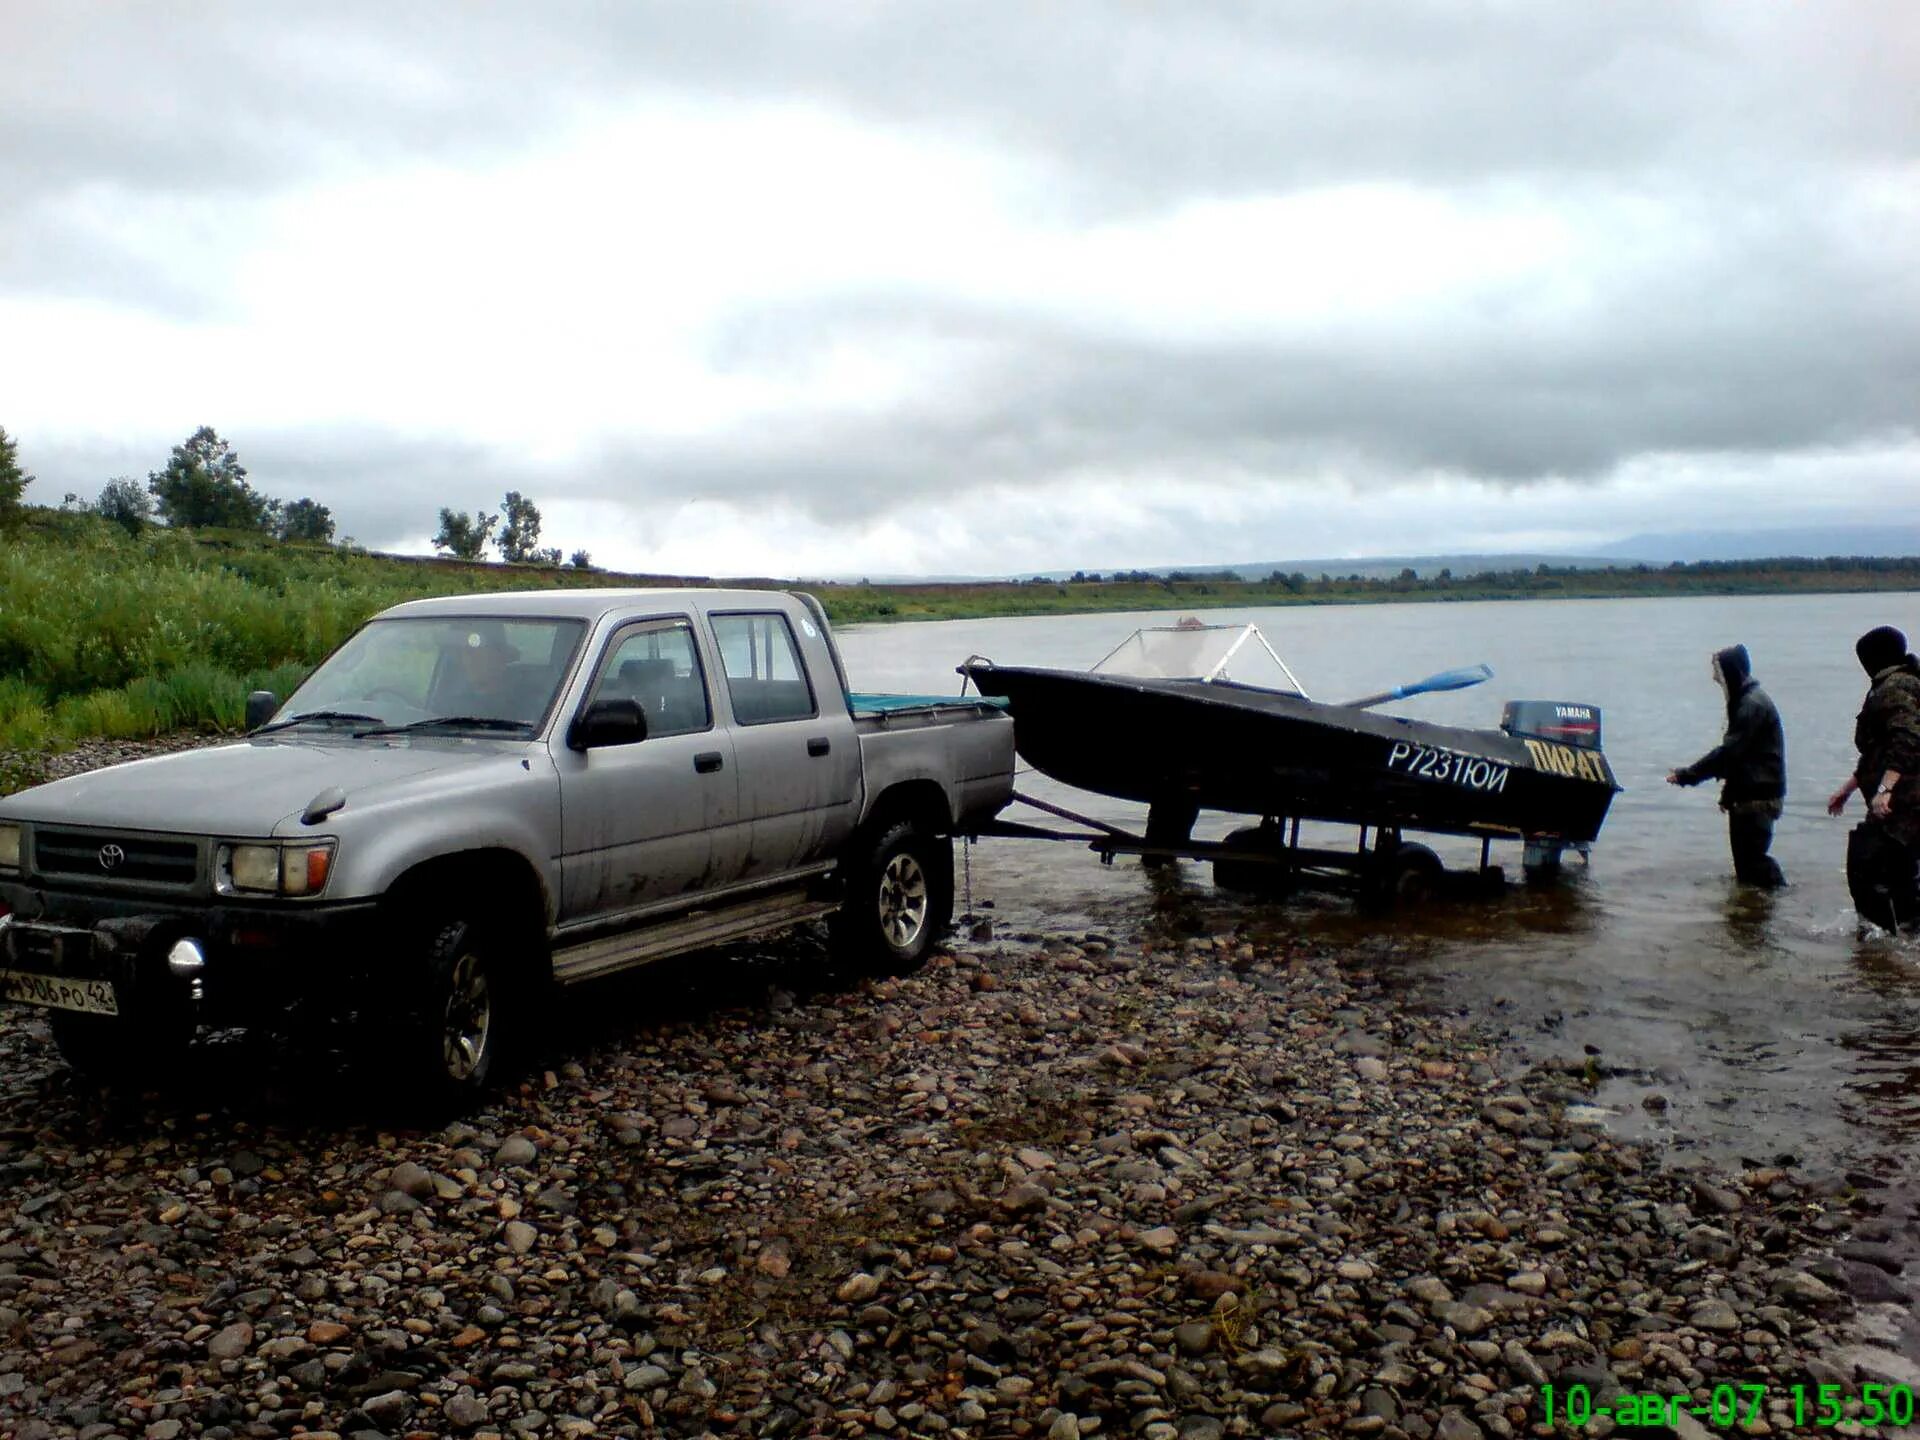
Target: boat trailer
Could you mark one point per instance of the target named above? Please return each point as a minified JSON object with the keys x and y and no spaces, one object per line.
{"x":1384,"y":869}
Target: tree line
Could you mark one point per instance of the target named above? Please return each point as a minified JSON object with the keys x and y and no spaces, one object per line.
{"x":204,"y":486}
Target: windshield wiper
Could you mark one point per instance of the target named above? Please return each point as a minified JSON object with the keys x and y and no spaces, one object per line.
{"x":314,"y":715}
{"x":446,"y":722}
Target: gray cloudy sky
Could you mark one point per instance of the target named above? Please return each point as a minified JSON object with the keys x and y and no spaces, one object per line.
{"x":833,"y":288}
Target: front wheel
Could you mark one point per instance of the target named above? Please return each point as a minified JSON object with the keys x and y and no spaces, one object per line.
{"x":899,"y":899}
{"x":453,"y":1036}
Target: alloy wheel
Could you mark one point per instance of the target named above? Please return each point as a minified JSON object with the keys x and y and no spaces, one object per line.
{"x":903,"y":901}
{"x":469,"y":1017}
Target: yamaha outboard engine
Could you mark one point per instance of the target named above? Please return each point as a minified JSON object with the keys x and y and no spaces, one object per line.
{"x":1559,"y":723}
{"x":1556,"y":720}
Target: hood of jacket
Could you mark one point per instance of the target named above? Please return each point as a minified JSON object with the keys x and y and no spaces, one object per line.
{"x":1908,"y":666}
{"x":1736,"y":667}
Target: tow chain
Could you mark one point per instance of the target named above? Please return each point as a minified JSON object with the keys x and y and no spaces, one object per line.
{"x":966,"y":872}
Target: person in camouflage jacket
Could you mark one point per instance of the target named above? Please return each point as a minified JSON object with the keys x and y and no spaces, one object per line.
{"x":1883,"y":851}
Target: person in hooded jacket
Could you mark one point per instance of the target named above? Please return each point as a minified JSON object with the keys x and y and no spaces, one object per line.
{"x":1883,"y":851}
{"x":1751,"y":764}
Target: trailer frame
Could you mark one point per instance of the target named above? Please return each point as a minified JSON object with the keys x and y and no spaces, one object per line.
{"x":1383,"y":867}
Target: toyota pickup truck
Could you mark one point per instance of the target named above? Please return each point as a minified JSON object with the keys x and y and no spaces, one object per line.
{"x":478,"y":797}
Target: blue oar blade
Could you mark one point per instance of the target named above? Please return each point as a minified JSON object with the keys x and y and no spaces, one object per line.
{"x":1446,"y":680}
{"x":1449,"y":680}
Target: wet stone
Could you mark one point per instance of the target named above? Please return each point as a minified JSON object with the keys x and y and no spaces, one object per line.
{"x":858,"y":1287}
{"x":520,"y":1237}
{"x":1194,"y":1338}
{"x":412,"y":1179}
{"x":1464,"y":1319}
{"x":516,"y":1150}
{"x":1799,"y":1288}
{"x":1023,"y":1198}
{"x":232,"y":1342}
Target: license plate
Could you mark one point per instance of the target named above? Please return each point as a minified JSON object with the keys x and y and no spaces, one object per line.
{"x":60,"y":992}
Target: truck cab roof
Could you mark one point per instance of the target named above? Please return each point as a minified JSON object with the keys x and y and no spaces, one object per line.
{"x":582,"y":604}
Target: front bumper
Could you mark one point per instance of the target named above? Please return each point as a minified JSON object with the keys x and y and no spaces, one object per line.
{"x":258,"y":957}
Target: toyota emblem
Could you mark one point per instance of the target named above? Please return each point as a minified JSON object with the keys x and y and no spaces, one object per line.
{"x":111,"y":856}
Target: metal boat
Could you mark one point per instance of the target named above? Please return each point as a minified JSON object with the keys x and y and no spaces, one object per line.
{"x":1167,"y":719}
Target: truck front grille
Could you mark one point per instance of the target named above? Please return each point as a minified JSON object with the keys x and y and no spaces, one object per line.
{"x":107,"y":856}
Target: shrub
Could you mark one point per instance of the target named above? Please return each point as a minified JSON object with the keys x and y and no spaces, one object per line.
{"x":204,"y":697}
{"x":109,"y":713}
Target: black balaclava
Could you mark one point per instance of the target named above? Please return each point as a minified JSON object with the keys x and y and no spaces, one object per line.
{"x":1880,"y":648}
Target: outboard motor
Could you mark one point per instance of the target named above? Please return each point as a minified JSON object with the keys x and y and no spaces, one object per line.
{"x":1556,"y":720}
{"x":1560,"y":723}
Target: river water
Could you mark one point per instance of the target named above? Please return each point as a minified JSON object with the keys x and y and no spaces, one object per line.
{"x":1766,"y":1022}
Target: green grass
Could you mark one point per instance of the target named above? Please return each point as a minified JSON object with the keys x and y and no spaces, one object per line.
{"x":107,"y":634}
{"x":110,"y":635}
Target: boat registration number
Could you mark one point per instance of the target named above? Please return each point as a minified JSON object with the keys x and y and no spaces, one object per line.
{"x":1434,"y":762}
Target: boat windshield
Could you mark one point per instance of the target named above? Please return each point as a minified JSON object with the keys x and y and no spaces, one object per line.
{"x":1227,"y":654}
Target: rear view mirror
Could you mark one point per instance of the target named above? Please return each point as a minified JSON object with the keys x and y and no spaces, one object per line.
{"x":261,"y":705}
{"x":614,"y":721}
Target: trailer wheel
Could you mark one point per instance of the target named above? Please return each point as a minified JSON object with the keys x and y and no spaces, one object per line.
{"x":1251,"y":877}
{"x":899,"y":899}
{"x":1410,"y":876}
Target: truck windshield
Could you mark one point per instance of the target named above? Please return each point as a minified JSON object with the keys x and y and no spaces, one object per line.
{"x":480,"y":671}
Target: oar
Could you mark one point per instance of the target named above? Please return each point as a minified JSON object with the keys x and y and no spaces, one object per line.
{"x":1446,"y":680}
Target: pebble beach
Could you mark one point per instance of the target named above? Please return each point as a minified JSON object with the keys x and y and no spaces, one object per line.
{"x":1053,"y":1185}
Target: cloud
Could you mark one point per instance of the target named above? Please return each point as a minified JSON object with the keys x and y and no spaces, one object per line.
{"x":843,"y":264}
{"x":1145,"y":106}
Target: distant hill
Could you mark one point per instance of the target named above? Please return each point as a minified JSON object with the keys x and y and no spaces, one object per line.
{"x":1687,"y":546}
{"x":1664,"y":548}
{"x":1374,"y":567}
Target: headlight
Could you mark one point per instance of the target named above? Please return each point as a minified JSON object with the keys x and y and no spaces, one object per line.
{"x":279,"y":869}
{"x":255,"y":867}
{"x":9,"y":847}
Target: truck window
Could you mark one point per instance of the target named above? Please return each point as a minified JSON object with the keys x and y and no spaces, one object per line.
{"x":657,"y":663}
{"x":765,"y":676}
{"x":403,"y":669}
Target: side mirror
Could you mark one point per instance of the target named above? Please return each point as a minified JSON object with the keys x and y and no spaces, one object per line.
{"x":261,"y":705}
{"x":608,"y":722}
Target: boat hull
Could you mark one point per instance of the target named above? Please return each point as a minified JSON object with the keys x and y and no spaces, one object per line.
{"x":1186,"y":743}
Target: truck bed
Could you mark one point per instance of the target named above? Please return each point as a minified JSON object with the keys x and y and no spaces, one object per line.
{"x":962,"y":743}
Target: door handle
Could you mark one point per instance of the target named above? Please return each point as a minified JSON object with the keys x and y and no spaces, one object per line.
{"x":707,"y":762}
{"x":819,"y":745}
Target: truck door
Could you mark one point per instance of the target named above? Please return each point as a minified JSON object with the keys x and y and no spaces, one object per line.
{"x":794,"y":742}
{"x":645,"y":824}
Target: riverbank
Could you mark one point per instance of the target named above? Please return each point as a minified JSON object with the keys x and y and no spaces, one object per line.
{"x":106,"y":634}
{"x":1055,"y":1185}
{"x":1052,"y":1186}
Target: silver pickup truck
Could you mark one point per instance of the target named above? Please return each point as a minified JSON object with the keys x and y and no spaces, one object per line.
{"x":476,"y":797}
